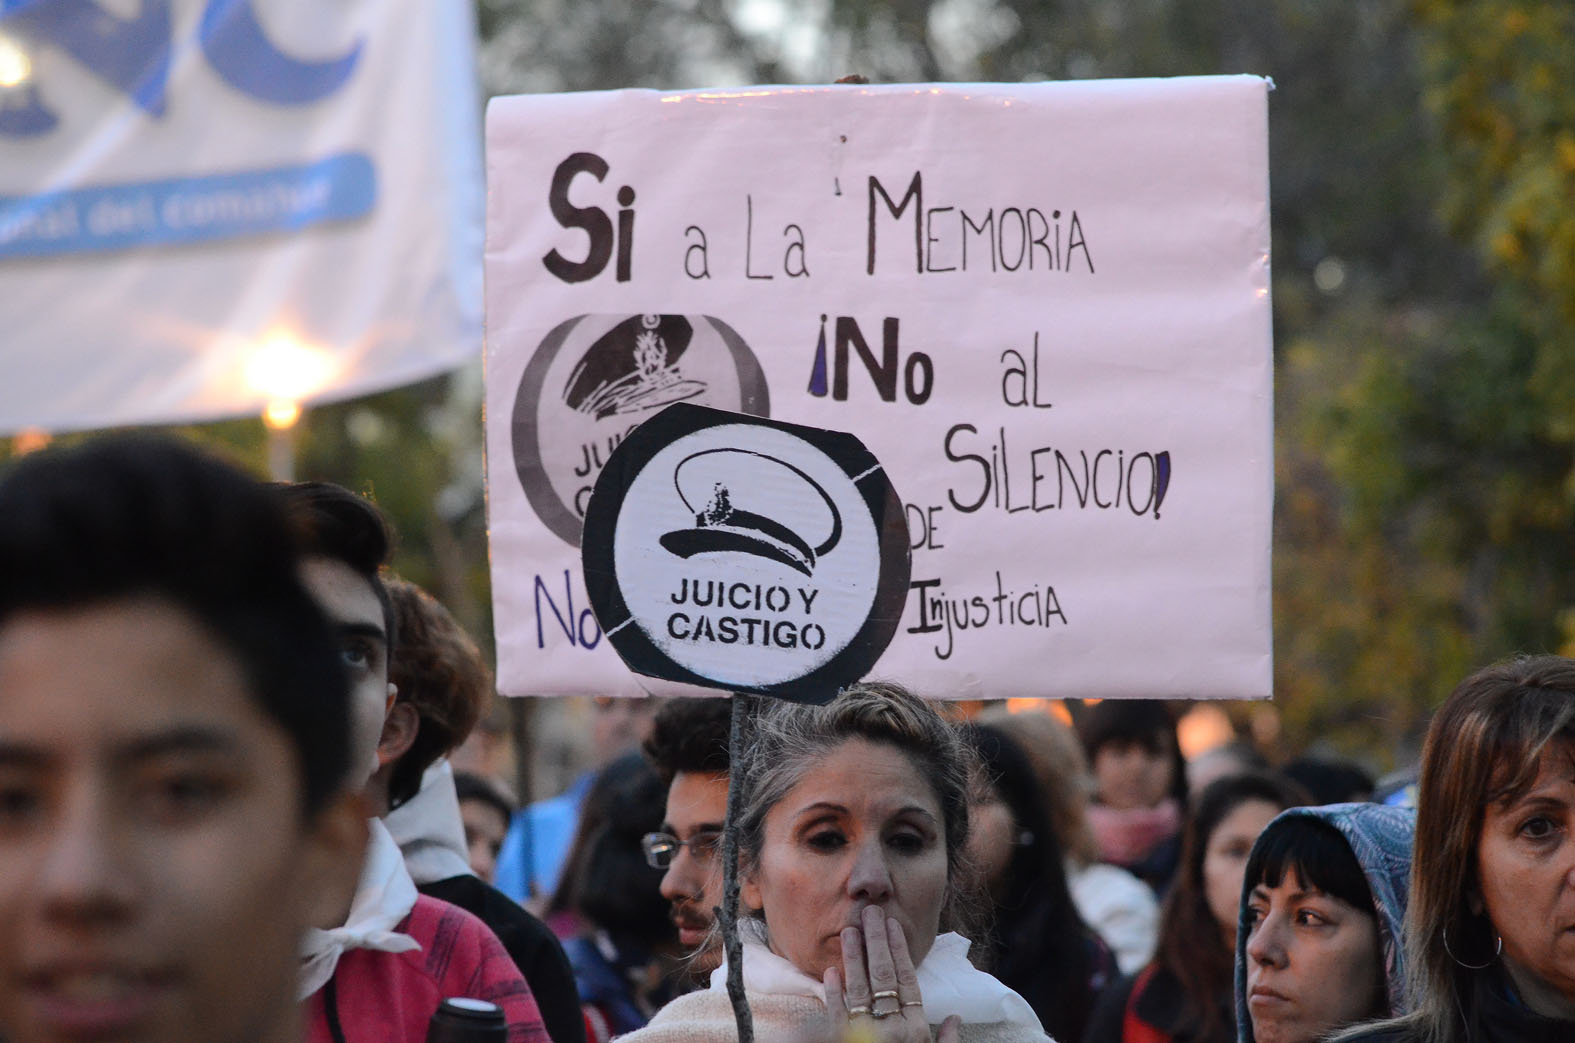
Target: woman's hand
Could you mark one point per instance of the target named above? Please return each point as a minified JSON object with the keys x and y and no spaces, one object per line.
{"x":875,"y":997}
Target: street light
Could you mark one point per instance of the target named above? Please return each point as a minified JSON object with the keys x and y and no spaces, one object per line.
{"x":30,"y":440}
{"x":281,"y":416}
{"x":16,"y":68}
{"x":285,"y":370}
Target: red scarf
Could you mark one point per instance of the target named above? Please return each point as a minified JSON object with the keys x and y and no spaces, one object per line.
{"x":1126,"y":836}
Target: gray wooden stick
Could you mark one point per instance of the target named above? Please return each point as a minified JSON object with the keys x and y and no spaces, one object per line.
{"x":737,"y":760}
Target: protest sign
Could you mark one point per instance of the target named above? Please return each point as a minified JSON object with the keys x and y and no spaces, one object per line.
{"x":1043,"y":307}
{"x":745,"y":554}
{"x":210,"y":205}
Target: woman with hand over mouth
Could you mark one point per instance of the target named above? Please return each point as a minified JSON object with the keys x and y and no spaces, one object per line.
{"x":851,"y":847}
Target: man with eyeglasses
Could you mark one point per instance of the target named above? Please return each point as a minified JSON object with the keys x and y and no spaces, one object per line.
{"x":688,"y":746}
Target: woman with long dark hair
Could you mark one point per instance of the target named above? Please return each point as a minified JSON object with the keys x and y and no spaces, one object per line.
{"x":618,"y":937}
{"x":1118,"y":906}
{"x":1038,"y":945}
{"x":1186,"y":994}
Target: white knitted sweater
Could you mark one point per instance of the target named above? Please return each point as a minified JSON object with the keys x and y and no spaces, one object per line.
{"x":707,"y":1017}
{"x":788,"y":1005}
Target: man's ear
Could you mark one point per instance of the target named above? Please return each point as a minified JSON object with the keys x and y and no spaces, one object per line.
{"x":400,"y":726}
{"x":332,"y":853}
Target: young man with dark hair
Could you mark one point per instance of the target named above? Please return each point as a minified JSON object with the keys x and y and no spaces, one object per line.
{"x":393,"y":955}
{"x":173,"y":807}
{"x":347,"y":541}
{"x":438,"y":672}
{"x":688,"y":746}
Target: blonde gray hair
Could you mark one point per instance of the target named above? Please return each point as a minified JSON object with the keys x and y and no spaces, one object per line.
{"x":790,"y":737}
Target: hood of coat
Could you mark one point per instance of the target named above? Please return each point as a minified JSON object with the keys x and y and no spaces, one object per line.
{"x":1380,"y":837}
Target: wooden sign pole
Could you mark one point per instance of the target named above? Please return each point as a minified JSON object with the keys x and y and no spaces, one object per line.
{"x":738,"y":763}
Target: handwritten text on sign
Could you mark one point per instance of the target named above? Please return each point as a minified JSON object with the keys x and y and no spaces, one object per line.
{"x":1044,"y":308}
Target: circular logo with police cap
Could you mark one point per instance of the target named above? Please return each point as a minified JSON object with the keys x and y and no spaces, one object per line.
{"x":595,"y":378}
{"x":737,"y":552}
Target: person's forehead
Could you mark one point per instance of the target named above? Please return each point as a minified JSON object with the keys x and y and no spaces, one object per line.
{"x":869,"y":778}
{"x":1552,"y":776}
{"x":118,"y":675}
{"x":345,"y":596}
{"x":695,"y":798}
{"x":1248,"y":818}
{"x":1148,"y":744}
{"x":478,"y":812}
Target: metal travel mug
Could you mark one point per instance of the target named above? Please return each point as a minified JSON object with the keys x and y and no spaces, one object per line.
{"x":463,"y":1020}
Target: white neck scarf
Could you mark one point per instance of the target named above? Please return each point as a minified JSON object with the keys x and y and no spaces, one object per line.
{"x":383,"y":898}
{"x":429,"y":830}
{"x":948,"y":983}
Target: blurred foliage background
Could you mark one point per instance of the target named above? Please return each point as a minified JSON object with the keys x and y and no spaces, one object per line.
{"x":1423,"y":206}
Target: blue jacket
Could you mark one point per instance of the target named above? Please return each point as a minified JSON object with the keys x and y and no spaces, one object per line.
{"x":537,"y":843}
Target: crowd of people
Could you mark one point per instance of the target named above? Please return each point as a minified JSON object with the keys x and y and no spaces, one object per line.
{"x":227,"y":813}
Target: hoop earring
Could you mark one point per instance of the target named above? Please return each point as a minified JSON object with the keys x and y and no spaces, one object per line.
{"x":1498,"y":949}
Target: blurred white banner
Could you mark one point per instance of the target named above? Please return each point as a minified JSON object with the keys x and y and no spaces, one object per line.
{"x":207,"y":206}
{"x":1044,"y":308}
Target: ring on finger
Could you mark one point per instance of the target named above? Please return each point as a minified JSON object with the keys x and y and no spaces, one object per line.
{"x":880,"y":1011}
{"x":854,"y":1012}
{"x":885,"y":994}
{"x":913,"y":1003}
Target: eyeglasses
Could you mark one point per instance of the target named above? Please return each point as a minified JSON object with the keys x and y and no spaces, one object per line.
{"x":661,"y":848}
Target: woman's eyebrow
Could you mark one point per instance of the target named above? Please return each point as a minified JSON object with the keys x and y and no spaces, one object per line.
{"x":1551,"y":790}
{"x":821,"y":807}
{"x":915,"y":809}
{"x":1301,"y":893}
{"x":1536,"y":800}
